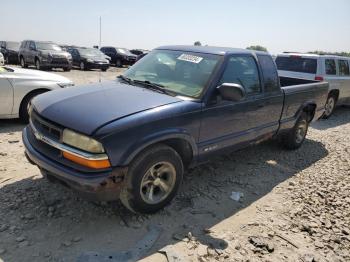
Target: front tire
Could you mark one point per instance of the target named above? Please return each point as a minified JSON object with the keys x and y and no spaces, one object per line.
{"x":23,"y":63}
{"x":329,"y":107}
{"x":296,"y":136}
{"x":82,"y":66}
{"x":153,"y":179}
{"x":37,"y":64}
{"x":118,"y":63}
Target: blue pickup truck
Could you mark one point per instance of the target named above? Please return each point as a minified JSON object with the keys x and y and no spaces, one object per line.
{"x":133,"y":138}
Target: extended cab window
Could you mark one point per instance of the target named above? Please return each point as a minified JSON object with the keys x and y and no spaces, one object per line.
{"x":343,"y":68}
{"x":244,"y":71}
{"x":331,"y":68}
{"x":269,"y":71}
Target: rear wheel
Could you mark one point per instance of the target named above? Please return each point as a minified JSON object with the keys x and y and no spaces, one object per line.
{"x":329,"y":107}
{"x":296,"y":136}
{"x":152,"y":180}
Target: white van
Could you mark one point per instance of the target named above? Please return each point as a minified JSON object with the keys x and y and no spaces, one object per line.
{"x":333,"y":69}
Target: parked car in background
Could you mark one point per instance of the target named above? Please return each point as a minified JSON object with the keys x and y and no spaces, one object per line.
{"x":19,"y":86}
{"x":10,"y":51}
{"x":44,"y":55}
{"x":333,"y":69}
{"x":2,"y":60}
{"x":139,"y":51}
{"x":175,"y":108}
{"x":119,"y":56}
{"x":88,"y":58}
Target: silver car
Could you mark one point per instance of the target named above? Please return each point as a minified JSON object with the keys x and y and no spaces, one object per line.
{"x":18,"y":86}
{"x":330,"y":68}
{"x":2,"y":60}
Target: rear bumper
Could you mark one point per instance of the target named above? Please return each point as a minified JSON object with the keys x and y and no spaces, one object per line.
{"x":100,"y":186}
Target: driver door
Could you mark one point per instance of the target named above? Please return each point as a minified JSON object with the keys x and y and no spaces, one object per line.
{"x":226,"y":123}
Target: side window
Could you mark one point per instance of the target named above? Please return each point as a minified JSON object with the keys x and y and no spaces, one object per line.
{"x":32,"y":45}
{"x":269,"y":70}
{"x":242,"y":70}
{"x":343,"y":68}
{"x":331,"y":68}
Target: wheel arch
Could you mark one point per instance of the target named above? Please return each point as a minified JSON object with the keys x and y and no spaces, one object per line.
{"x":183,"y":144}
{"x":31,"y":93}
{"x":335,"y":93}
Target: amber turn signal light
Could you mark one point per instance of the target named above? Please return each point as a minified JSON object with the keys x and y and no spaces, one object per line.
{"x":96,"y":164}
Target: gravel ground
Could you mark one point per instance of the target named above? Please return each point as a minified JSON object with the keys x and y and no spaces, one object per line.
{"x":293,"y":206}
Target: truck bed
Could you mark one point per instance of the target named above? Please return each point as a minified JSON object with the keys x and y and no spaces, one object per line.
{"x":299,"y":92}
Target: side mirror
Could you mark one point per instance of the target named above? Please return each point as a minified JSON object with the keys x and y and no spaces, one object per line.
{"x":231,"y":91}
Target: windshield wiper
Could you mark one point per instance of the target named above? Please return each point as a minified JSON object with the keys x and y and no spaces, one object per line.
{"x":126,"y":79}
{"x":154,"y":86}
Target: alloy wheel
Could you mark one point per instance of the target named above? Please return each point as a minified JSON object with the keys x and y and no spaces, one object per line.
{"x":301,"y":131}
{"x":329,"y":107}
{"x":158,"y":182}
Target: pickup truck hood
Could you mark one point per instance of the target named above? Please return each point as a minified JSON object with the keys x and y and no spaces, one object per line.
{"x":86,"y":108}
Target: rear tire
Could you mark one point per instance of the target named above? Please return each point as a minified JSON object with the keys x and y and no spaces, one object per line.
{"x":153,"y":179}
{"x":330,"y":105}
{"x":296,"y":136}
{"x":23,"y":110}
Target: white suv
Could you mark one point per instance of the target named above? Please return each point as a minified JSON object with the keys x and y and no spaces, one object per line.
{"x":333,"y":69}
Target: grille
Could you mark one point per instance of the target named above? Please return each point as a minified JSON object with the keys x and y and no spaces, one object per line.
{"x":60,"y":61}
{"x":48,"y":129}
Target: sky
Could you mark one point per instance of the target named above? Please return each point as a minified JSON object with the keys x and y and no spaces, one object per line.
{"x":279,"y":25}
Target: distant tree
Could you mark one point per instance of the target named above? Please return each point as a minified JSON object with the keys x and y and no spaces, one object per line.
{"x":197,"y":43}
{"x":257,"y":48}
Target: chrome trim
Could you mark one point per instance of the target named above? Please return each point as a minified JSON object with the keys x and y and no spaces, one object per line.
{"x":65,"y":148}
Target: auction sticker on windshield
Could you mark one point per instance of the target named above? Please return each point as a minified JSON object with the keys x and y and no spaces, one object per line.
{"x":190,"y":58}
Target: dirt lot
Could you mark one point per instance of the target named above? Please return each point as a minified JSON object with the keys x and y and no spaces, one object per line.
{"x":293,"y":206}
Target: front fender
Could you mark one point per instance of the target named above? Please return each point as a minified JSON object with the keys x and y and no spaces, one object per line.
{"x":158,"y":137}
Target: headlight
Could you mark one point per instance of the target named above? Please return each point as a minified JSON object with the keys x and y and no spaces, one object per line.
{"x":65,"y":84}
{"x":89,"y":60}
{"x":82,"y":142}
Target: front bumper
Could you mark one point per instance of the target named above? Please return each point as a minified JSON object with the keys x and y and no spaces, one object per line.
{"x":56,"y":62}
{"x":92,"y":65}
{"x":99,"y":186}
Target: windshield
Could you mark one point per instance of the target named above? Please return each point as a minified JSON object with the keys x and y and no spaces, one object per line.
{"x":181,"y":72}
{"x":12,"y":45}
{"x":124,"y":51}
{"x":47,"y":46}
{"x":90,"y":52}
{"x":297,"y":64}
